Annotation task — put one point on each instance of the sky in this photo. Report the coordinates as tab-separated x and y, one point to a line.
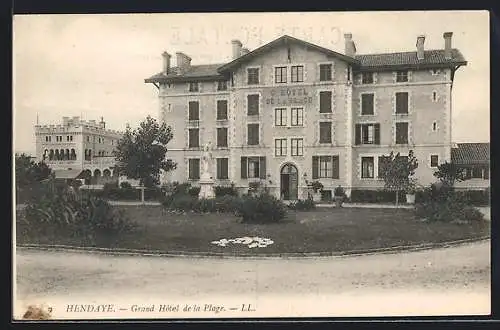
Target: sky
95	65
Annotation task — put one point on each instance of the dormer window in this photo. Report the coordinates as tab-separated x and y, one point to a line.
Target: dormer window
194	87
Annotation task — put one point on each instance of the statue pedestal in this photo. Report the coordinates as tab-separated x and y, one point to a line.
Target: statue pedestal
206	186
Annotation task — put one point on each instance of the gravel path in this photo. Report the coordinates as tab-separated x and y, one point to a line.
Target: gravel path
450	281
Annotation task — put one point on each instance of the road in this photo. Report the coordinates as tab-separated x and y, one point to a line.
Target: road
450	281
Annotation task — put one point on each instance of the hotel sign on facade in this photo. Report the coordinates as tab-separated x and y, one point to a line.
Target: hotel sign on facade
288	96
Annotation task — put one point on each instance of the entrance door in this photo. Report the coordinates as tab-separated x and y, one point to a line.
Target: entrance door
289	182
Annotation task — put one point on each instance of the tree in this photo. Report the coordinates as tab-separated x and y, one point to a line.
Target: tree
449	173
398	170
140	153
28	172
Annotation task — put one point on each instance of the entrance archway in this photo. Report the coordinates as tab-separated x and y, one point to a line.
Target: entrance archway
289	182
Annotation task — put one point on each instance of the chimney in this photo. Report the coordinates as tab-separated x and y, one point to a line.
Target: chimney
420	47
183	61
447	45
236	48
66	121
166	62
102	124
244	51
350	47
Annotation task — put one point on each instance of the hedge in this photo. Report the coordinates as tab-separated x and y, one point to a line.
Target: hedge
376	196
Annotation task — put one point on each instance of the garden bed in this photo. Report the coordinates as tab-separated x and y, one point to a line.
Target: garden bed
321	230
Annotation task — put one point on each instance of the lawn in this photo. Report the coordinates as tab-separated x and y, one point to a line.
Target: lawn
321	230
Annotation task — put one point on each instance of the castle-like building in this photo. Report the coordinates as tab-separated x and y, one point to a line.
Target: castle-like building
291	112
78	149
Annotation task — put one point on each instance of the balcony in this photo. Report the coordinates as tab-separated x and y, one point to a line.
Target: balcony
100	161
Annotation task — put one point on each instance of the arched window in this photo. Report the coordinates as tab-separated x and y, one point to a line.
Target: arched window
61	154
57	154
87	175
97	173
45	154
73	154
51	154
106	173
66	155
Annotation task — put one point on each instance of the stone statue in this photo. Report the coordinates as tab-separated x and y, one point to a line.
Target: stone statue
207	156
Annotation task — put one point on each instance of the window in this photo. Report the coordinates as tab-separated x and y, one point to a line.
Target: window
297	147
253	104
194	138
325	132
48	138
401	76
280	147
58	138
325	102
367	167
367	134
222	168
280	74
253	76
297	73
297	116
367	78
222	85
434	126
194	169
325	167
401	133
280	117
253	167
325	72
367	104
88	138
221	109
253	134
435	72
402	102
434	160
222	137
194	110
194	87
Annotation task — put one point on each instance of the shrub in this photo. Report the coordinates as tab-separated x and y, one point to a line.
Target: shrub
263	208
339	192
204	205
181	202
302	205
225	191
446	205
194	191
125	185
87	217
227	204
375	196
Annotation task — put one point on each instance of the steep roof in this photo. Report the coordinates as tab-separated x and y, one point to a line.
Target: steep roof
471	154
432	59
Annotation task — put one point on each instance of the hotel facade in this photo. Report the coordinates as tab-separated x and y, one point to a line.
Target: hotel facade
291	112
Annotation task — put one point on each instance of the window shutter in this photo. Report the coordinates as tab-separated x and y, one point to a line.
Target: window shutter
244	168
377	133
197	168
315	167
335	167
262	167
219	168
357	138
